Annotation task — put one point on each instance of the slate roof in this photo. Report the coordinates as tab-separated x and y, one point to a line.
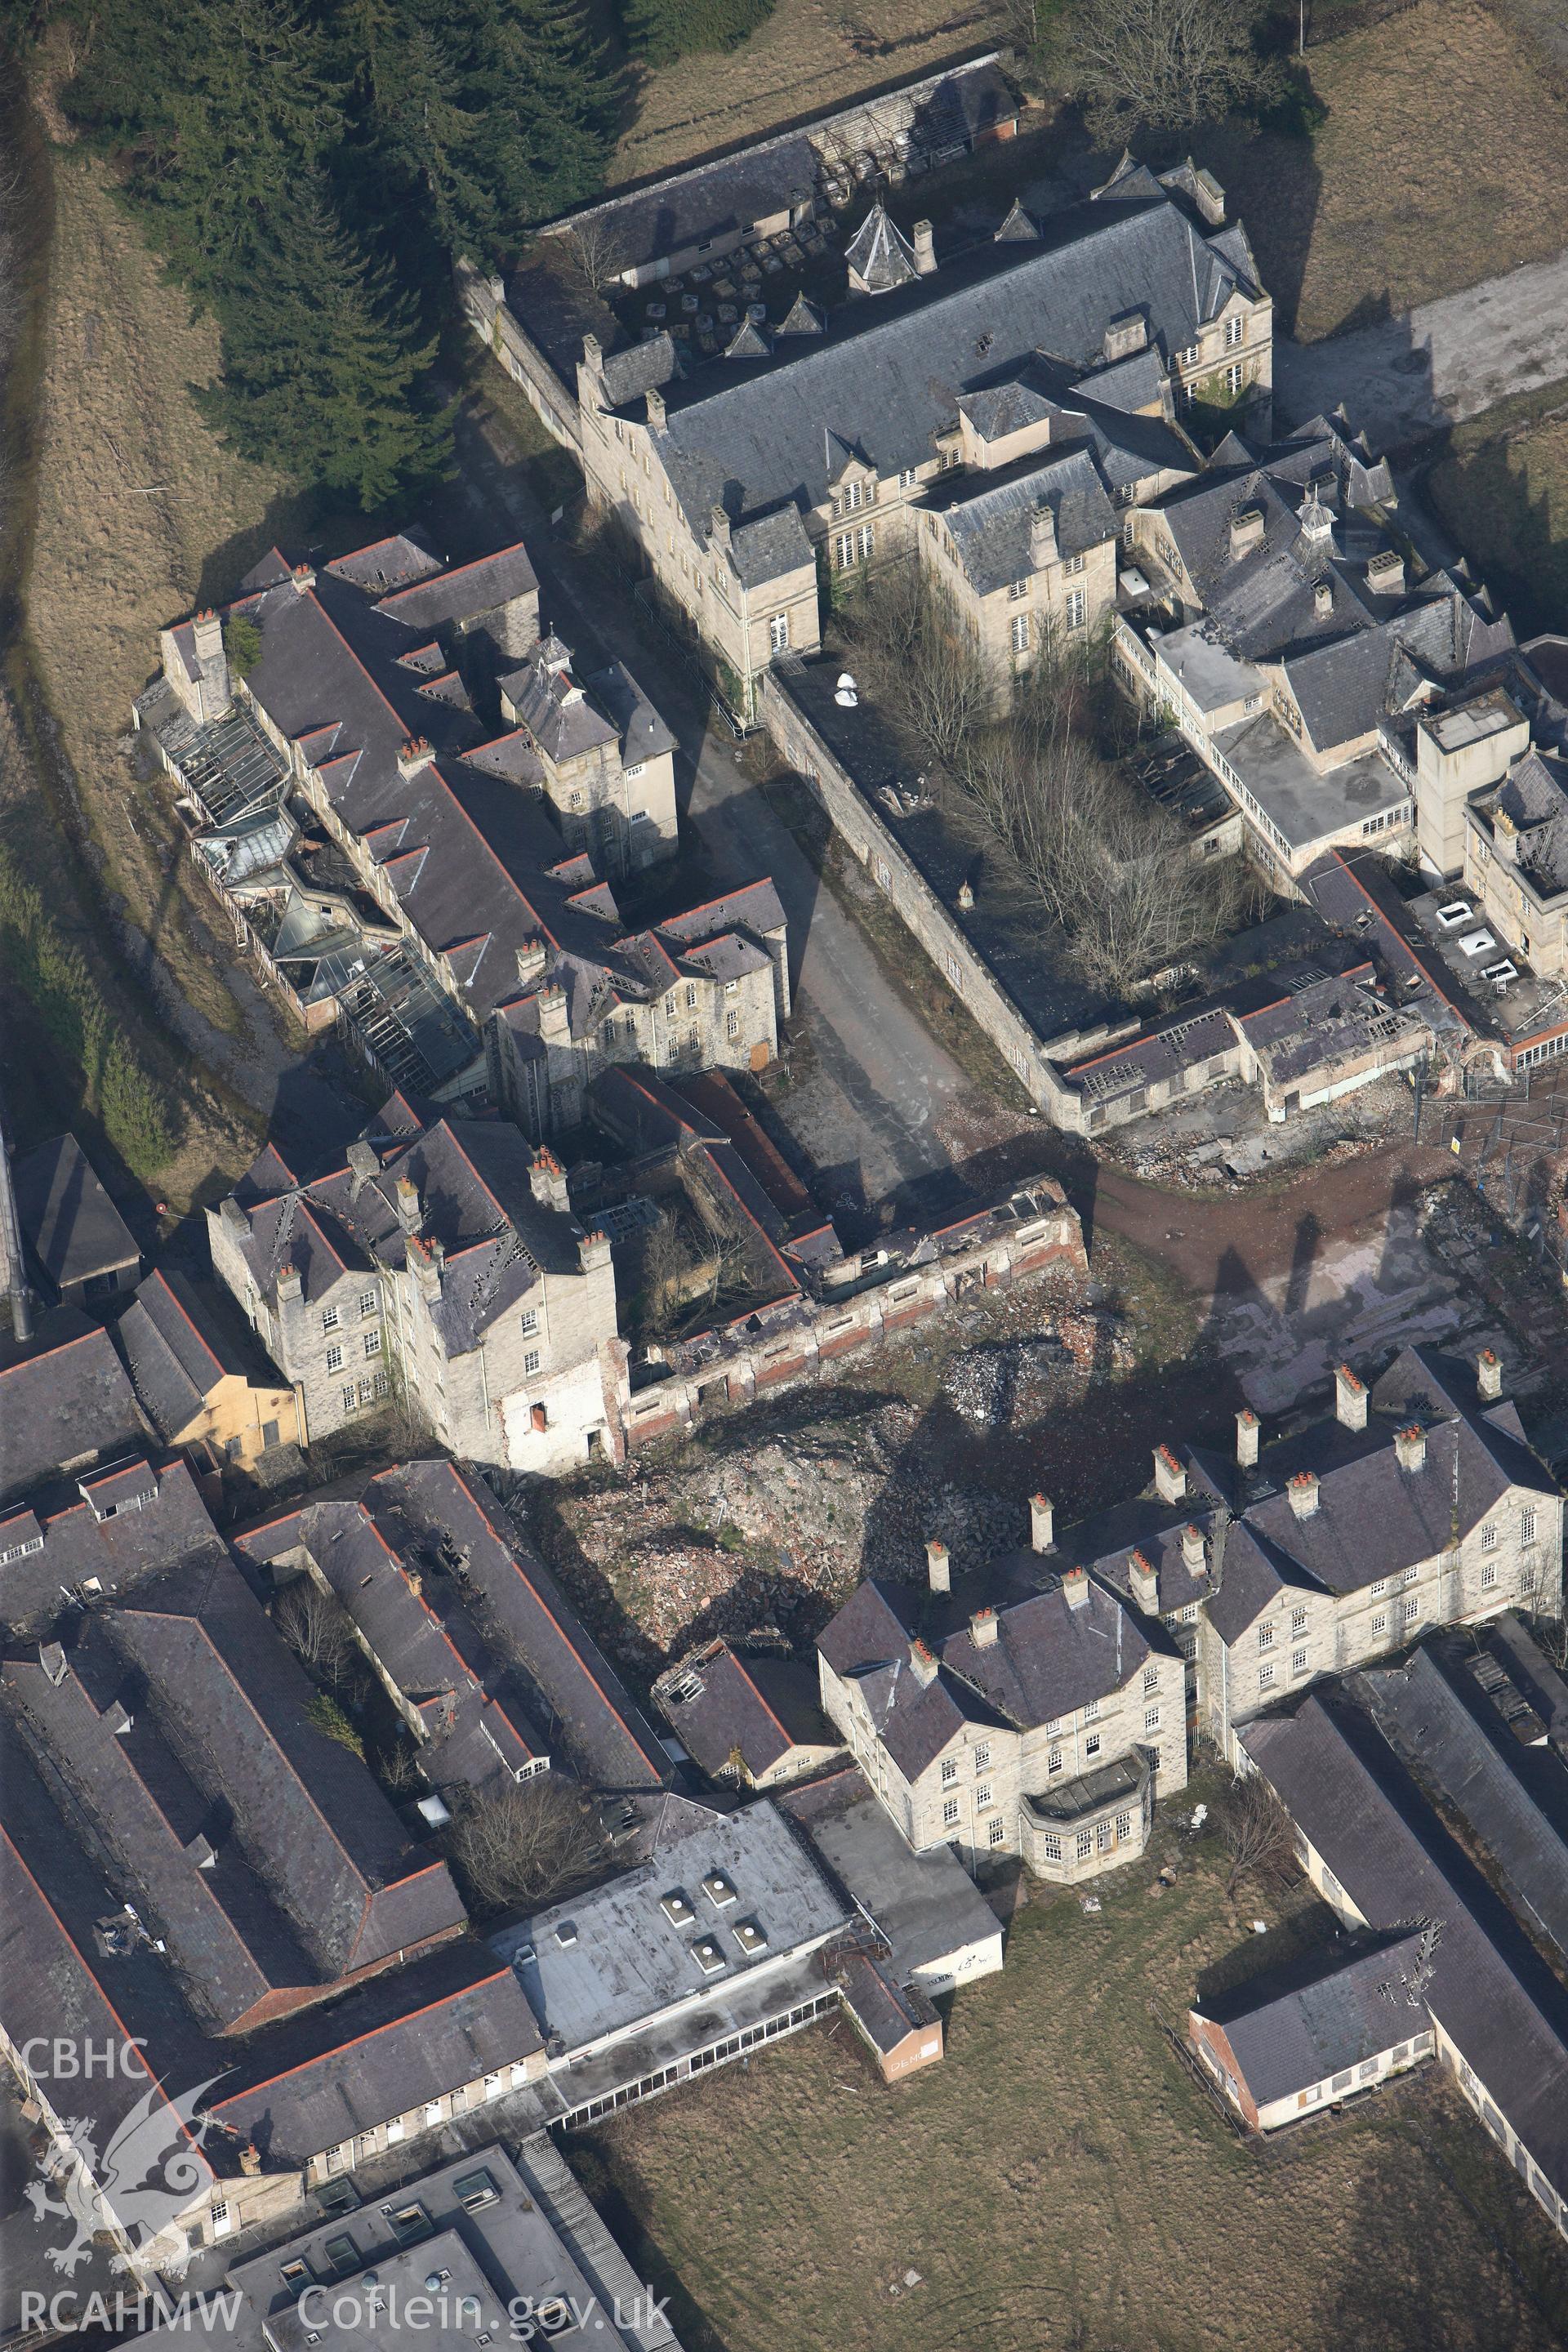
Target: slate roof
763	431
177	1349
1505	2014
63	1396
232	1704
1372	1519
990	520
1438	1719
729	195
52	1989
770	546
477	867
230	1942
755	1705
466	591
1306	1032
75	1230
1535	796
474	1182
448	2018
490	1622
1326	2011
1049	1657
885	2013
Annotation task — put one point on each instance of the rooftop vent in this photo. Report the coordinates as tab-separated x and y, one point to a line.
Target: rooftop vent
566	1934
678	1907
1458	910
718	1889
751	1935
708	1955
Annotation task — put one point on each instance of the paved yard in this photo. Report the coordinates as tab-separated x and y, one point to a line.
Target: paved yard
1420	369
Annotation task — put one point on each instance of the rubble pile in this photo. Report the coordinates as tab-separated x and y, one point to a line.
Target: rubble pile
1011	1384
765	1523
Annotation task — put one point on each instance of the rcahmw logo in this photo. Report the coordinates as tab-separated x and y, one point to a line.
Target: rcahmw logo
144	2179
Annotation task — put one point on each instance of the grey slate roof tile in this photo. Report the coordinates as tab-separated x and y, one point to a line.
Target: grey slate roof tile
1304	2023
1494	1998
74	1228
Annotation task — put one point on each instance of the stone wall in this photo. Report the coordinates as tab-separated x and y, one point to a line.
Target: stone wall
927	921
555	403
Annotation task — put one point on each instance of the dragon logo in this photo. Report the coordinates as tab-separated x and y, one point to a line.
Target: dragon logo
146	2177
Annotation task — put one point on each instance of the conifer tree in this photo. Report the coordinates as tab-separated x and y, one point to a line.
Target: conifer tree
321	365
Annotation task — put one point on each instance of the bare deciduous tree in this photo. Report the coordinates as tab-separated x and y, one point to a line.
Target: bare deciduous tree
1112	867
532	1844
1257	1833
316	1628
1162	65
594	252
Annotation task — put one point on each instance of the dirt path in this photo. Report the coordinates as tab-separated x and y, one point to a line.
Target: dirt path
1232	1244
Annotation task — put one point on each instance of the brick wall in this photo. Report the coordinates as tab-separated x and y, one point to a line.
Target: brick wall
800	1339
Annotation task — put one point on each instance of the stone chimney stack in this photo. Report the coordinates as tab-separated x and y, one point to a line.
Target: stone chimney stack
983	1629
925	240
1042	1523
1489	1375
1075	1587
532	957
654	399
1247	1435
922	1663
547	1180
1170	1478
1350	1399
1505	836
1195	1550
1042	538
1410	1448
207	634
938	1568
1246	529
718	527
1144	1584
1303	1494
289	1284
250	2159
555	1017
413	755
406	1202
594	1252
426	1260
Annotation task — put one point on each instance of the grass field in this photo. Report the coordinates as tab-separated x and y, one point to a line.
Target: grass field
1501	488
135	499
1438	164
1060	2181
